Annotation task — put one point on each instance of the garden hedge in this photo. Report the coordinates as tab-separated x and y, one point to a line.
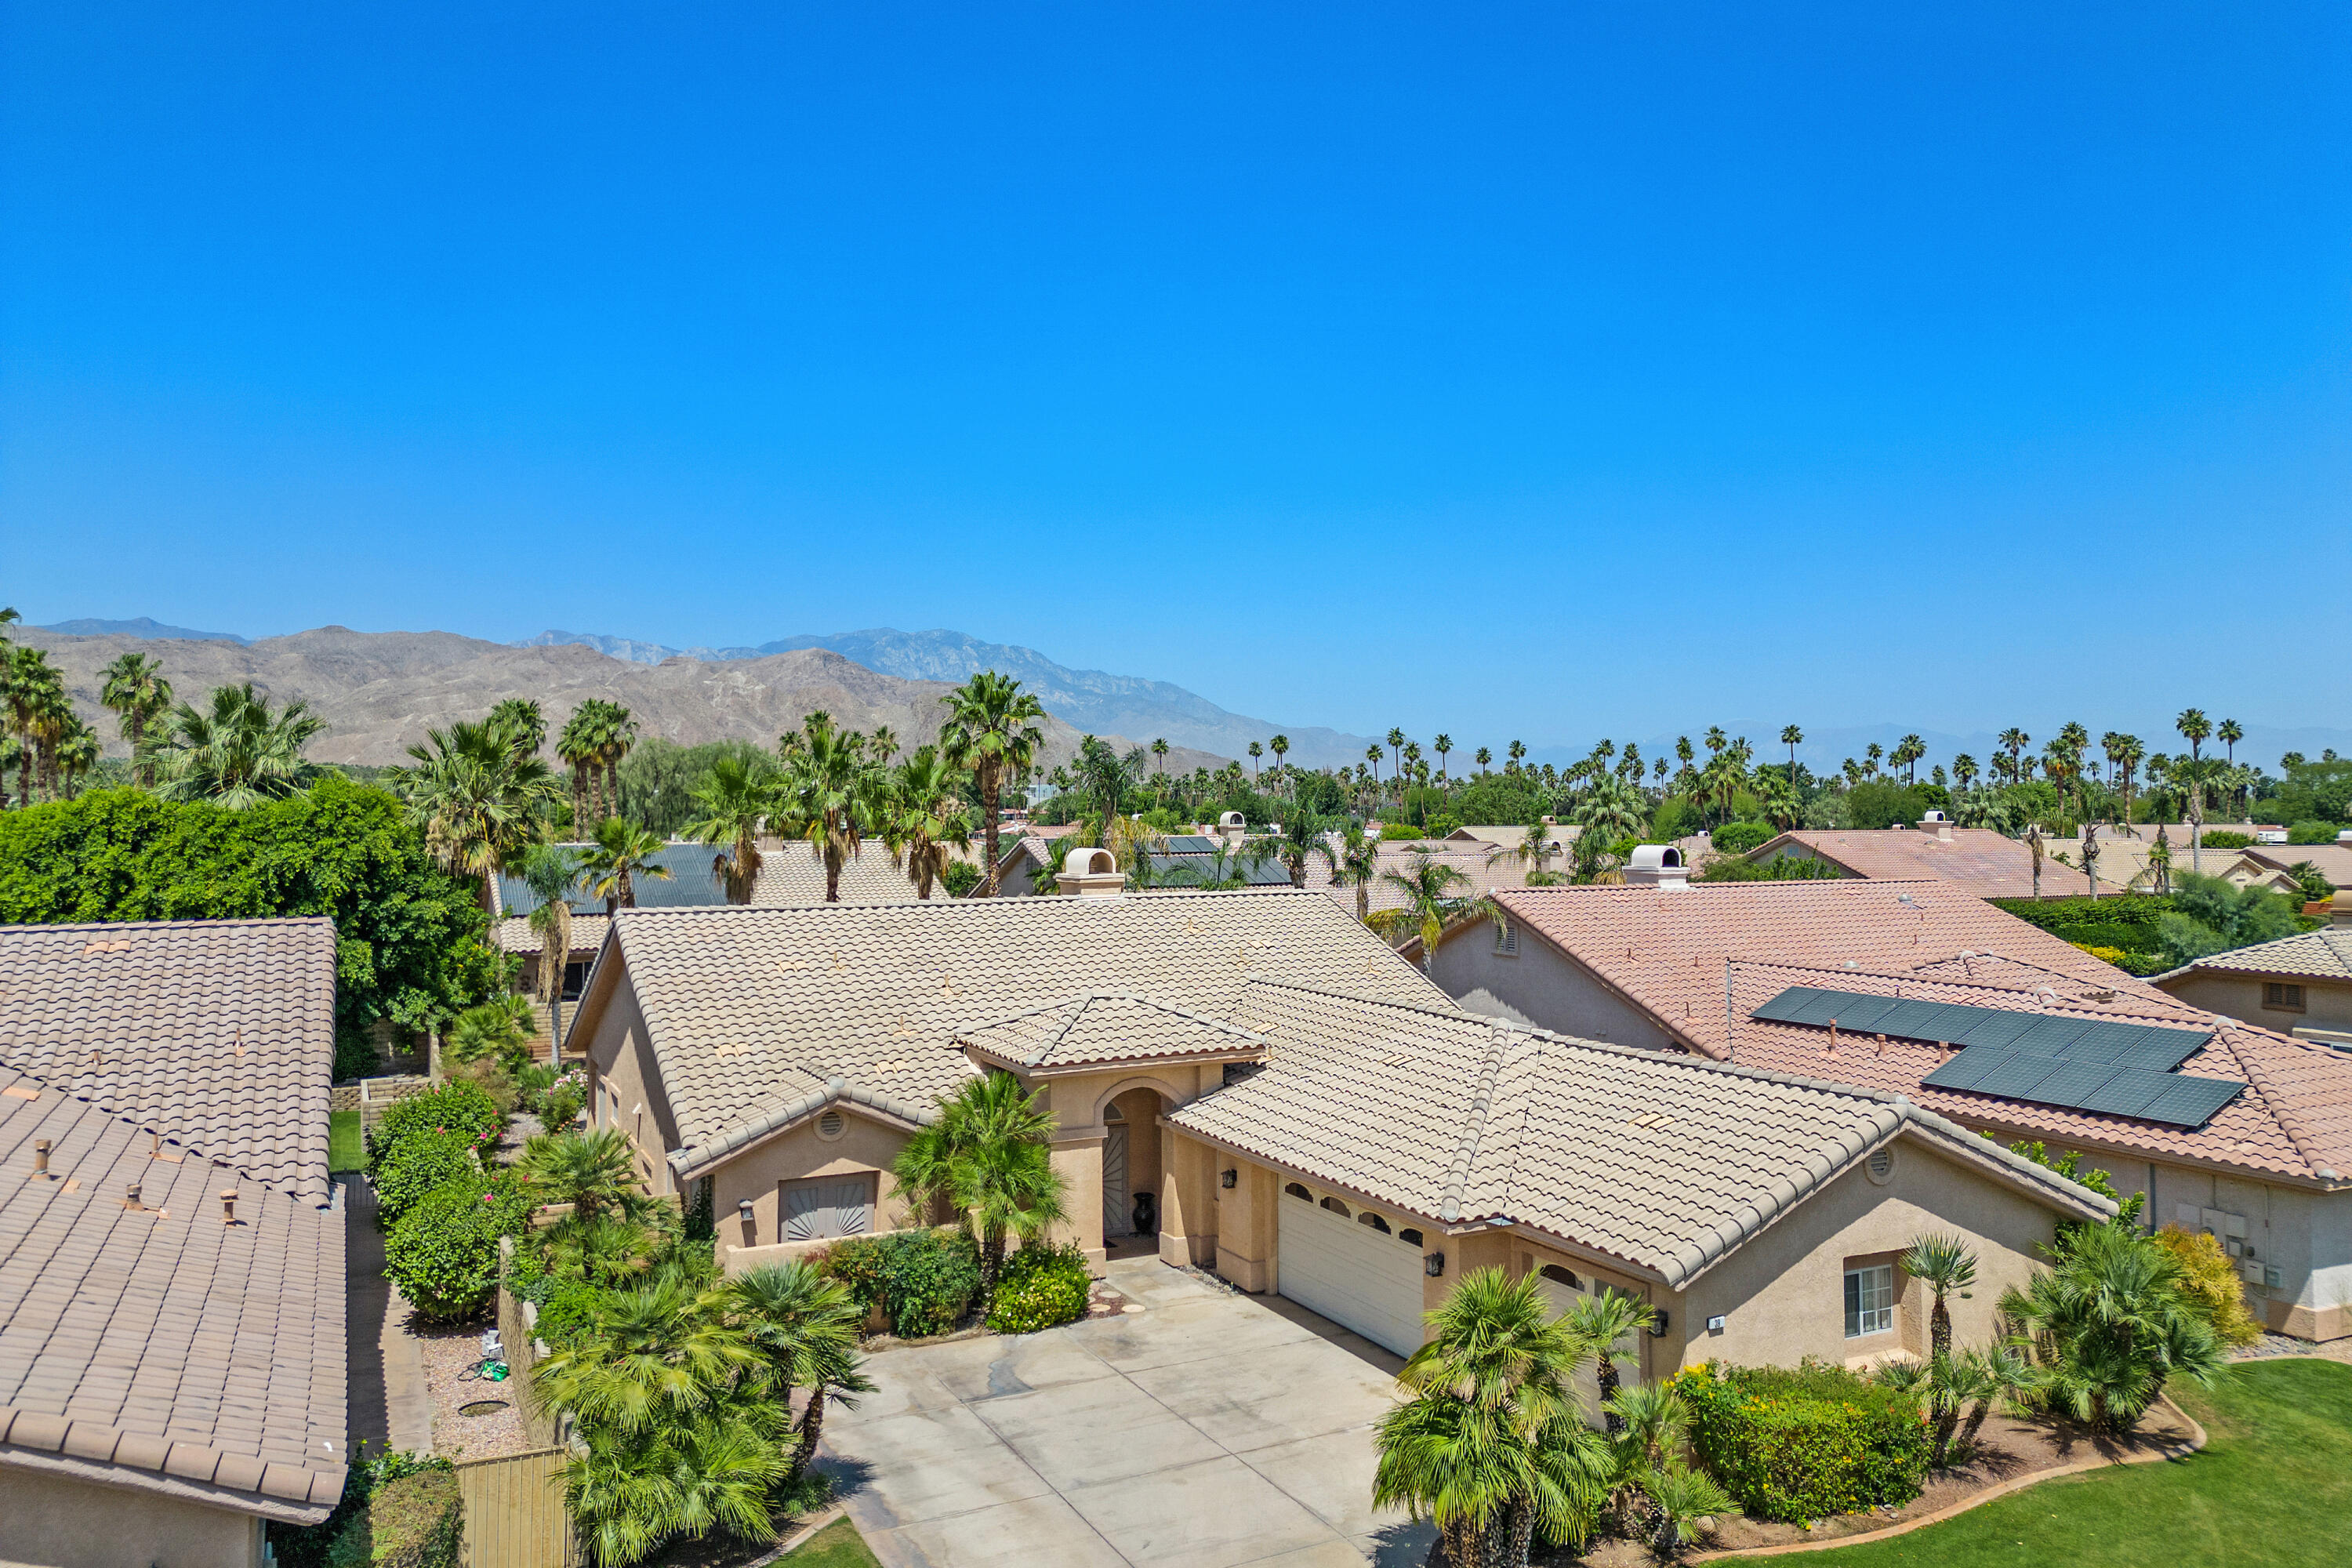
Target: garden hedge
1808	1444
455	1107
922	1280
418	1164
1041	1285
443	1253
416	1522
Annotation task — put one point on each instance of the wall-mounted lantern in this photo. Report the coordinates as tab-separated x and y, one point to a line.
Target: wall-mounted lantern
1715	1324
1658	1325
1433	1265
1228	1179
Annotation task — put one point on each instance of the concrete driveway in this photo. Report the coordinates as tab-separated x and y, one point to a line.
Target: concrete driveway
1209	1430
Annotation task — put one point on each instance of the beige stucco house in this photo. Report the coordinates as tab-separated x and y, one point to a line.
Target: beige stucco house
1685	967
2299	985
172	1337
1307	1113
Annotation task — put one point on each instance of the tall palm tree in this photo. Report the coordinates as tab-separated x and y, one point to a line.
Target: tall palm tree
1396	749
833	795
926	823
551	872
1304	836
75	757
619	854
234	750
1945	1264
1355	859
1443	746
524	724
2229	731
1517	751
1792	737
1602	1321
579	745
989	1154
1436	895
1257	750
1482	758
1160	756
990	727
1280	747
617	734
2015	740
136	692
480	801
729	807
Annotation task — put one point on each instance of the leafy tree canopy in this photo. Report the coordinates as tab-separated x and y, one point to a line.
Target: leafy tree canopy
2315	791
409	943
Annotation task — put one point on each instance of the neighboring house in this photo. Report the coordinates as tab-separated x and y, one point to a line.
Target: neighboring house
1685	968
1484	867
1987	864
171	1336
2299	985
1303	1111
1502	835
2124	866
2333	861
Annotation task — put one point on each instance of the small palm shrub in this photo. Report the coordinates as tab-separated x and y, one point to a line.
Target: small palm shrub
461	1108
2113	1319
417	1165
1042	1285
1806	1444
443	1253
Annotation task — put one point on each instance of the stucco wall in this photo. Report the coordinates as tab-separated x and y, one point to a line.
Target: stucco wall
867	1144
58	1521
2326	1005
1078	1101
629	1089
1538	986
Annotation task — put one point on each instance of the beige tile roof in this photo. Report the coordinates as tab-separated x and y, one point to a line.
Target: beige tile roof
1988	864
1098	1026
514	934
791	873
2322	955
751	1011
2294	1121
1666	951
220	1034
1486	871
2124	865
161	1348
1666	1162
2334	861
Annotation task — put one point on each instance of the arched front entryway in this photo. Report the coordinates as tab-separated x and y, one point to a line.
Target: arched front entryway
1131	1167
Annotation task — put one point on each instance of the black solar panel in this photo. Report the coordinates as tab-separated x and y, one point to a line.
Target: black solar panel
1188	844
2161	1050
2190	1101
1858	1014
1795	1005
2073	1080
1919	1021
1990	1026
1965	1070
2015	1075
2123	1094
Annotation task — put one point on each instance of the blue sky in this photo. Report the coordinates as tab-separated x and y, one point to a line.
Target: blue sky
1552	371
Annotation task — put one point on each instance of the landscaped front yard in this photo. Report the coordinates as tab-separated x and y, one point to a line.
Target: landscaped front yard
2271	1489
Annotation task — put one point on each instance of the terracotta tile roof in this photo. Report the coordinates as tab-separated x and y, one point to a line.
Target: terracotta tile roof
1096	1026
1666	951
2322	955
751	1010
1988	864
160	1348
2294	1121
220	1034
1666	1162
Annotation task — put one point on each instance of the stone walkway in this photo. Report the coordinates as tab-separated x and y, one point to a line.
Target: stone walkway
1209	1431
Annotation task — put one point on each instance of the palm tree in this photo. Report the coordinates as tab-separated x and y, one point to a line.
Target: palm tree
1517	751
1256	751
1280	747
1443	746
2229	731
32	690
524	724
619	854
988	1154
2005	1377
480	801
883	744
1613	810
1533	851
806	1326
1373	755
738	796
1355	860
1396	749
926	822
2111	1326
234	751
990	727
594	1172
833	795
552	874
2015	740
1792	737
1602	1321
579	744
75	757
1160	756
1483	757
1108	776
1303	837
136	692
1436	894
617	733
1945	1265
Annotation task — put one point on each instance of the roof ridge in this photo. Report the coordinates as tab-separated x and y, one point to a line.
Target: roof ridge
222	1159
1482	1103
167	925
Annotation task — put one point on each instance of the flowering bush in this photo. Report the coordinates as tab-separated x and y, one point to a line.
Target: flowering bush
458	1106
443	1253
1041	1285
923	1279
1804	1444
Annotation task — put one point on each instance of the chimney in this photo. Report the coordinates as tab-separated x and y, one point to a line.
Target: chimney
1936	823
2339	909
1658	865
1231	828
1092	874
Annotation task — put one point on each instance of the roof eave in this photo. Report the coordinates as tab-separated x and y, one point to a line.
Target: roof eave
698	1159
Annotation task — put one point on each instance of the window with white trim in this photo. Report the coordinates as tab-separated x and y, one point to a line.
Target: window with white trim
1869	1300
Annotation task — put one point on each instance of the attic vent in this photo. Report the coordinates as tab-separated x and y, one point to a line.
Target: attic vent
1882	1164
1507	939
1397	1060
829	1125
1653	1121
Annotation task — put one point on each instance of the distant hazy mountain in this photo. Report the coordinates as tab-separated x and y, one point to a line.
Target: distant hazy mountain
144	626
1101	703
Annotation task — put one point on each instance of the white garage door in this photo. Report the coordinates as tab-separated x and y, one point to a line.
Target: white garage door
1362	1274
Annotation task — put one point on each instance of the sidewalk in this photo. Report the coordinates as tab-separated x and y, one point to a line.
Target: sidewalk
388	1404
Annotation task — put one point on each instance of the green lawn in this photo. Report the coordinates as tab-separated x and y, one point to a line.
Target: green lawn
2273	1489
837	1545
344	1152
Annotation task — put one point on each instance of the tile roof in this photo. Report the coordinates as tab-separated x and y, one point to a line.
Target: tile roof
1988	864
2322	955
750	1010
1666	951
1096	1026
220	1034
1666	1162
514	934
2333	861
160	1348
1487	869
2124	866
2294	1121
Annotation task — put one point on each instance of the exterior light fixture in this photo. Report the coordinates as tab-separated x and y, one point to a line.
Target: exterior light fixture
744	1210
1715	1324
1658	1328
1228	1179
1433	1265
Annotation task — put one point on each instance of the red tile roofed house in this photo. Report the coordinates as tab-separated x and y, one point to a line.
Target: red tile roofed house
1664	968
1988	864
171	1363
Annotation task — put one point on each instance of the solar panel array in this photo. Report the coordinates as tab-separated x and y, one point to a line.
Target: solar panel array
2104	1065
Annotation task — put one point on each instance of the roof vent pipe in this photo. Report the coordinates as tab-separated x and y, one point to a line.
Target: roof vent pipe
131	1197
229	1205
41	1156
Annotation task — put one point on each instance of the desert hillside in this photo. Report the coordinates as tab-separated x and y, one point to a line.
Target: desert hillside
379	692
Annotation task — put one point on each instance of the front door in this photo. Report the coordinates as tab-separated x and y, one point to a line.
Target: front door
1118	1219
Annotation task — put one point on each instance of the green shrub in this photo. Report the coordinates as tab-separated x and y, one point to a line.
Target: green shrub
355	1055
1806	1444
416	1522
1394	830
1042	1285
443	1253
453	1108
922	1280
417	1165
1443	824
570	1307
341	1539
2304	833
959	879
2222	838
1739	838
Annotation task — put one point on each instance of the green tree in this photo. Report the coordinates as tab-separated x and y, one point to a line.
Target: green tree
613	860
991	728
834	794
594	1172
480	798
1602	1321
234	750
988	1154
137	694
926	823
1436	895
2111	1326
731	807
806	1326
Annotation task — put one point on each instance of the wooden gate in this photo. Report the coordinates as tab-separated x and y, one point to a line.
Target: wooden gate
514	1511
